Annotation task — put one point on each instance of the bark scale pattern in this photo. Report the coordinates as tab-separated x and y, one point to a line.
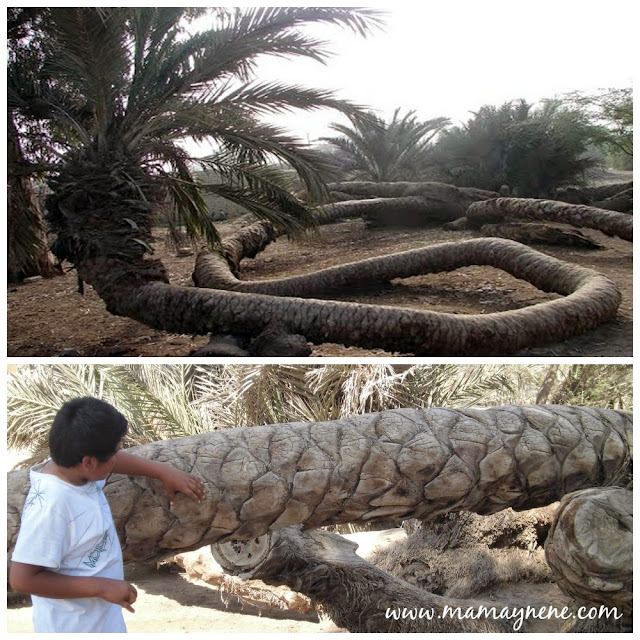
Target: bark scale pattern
609	222
405	204
590	300
396	464
590	547
437	191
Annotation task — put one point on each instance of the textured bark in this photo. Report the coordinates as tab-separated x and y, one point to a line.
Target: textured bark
591	299
604	197
409	204
590	547
354	593
609	222
535	233
398	464
247	243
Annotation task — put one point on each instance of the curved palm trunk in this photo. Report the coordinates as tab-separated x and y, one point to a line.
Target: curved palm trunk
102	217
590	547
591	300
355	594
396	464
543	271
610	223
406	204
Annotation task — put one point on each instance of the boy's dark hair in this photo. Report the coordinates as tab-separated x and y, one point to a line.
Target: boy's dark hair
85	427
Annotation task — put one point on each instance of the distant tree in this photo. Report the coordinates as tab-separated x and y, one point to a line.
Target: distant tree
474	154
381	151
532	150
612	109
549	149
27	250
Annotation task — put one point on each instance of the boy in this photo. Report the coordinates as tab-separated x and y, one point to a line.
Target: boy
67	554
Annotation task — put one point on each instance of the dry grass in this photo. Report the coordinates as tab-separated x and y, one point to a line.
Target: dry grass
461	555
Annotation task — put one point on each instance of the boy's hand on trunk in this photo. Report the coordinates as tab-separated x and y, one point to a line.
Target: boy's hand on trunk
176	481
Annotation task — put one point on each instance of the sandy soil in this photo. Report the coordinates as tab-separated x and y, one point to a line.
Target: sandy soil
49	317
170	601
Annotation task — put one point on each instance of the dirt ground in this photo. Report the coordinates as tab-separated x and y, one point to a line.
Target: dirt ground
170	601
50	318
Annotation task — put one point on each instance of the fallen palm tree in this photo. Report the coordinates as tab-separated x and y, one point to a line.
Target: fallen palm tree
395	464
360	597
405	204
495	210
616	197
590	547
405	463
355	594
537	233
590	299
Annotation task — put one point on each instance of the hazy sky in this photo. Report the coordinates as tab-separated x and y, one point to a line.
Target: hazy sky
447	58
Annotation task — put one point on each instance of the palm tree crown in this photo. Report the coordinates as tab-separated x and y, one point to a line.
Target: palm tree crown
127	87
382	151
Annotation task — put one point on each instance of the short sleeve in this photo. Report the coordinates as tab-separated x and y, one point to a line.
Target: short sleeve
43	538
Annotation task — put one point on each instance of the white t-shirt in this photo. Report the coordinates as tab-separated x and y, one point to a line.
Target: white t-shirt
69	530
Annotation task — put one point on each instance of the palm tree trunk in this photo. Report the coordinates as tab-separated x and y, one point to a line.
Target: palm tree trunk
405	211
355	594
590	548
324	567
406	204
27	249
609	222
538	233
591	299
100	210
439	191
396	464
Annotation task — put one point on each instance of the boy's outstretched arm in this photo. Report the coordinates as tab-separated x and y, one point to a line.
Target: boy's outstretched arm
173	479
39	581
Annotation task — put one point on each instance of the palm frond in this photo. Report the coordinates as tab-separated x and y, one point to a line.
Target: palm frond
380	151
93	56
230	49
267	393
265	191
139	81
34	397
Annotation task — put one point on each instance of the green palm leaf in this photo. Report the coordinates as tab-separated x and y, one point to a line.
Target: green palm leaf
127	86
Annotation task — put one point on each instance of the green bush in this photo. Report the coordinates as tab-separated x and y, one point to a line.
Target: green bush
533	151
